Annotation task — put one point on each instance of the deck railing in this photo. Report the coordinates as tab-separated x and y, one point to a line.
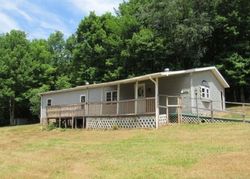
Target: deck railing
122	107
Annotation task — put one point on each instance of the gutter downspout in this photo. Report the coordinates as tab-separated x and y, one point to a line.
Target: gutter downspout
156	82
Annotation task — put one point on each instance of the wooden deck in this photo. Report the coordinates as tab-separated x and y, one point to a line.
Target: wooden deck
122	107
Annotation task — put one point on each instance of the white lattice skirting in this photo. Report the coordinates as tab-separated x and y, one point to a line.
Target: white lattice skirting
162	119
120	122
202	119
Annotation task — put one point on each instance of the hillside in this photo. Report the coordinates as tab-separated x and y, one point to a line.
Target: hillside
207	150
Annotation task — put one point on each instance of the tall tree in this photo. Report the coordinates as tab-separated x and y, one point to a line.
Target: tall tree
14	71
237	70
96	56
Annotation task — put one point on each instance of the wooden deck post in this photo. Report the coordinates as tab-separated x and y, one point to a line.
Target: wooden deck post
179	109
66	123
156	83
243	112
157	103
101	107
87	104
60	122
197	107
136	97
212	112
118	99
83	122
167	115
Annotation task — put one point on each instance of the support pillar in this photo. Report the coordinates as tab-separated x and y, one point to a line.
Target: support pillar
157	103
118	100
66	125
86	112
60	122
167	113
156	82
136	97
83	122
101	108
76	123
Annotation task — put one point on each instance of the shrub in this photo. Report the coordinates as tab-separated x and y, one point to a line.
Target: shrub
115	127
51	126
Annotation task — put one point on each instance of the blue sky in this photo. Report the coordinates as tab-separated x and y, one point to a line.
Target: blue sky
39	18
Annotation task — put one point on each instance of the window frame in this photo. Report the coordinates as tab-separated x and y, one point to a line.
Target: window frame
144	89
206	94
111	95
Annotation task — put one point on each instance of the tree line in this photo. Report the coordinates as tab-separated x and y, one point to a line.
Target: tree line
143	36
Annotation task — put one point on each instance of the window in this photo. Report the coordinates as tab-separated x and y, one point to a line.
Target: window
108	96
111	96
205	92
141	91
82	99
49	102
114	96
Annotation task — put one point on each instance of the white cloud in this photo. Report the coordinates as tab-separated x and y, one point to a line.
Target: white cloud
13	6
38	21
35	20
7	23
45	19
99	6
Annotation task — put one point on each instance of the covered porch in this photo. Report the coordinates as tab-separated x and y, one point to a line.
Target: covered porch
139	98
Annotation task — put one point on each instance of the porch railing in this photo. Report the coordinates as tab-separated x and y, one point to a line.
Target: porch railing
122	107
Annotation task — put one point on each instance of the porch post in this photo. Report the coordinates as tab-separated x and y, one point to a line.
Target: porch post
136	96
118	99
157	103
60	122
101	111
86	112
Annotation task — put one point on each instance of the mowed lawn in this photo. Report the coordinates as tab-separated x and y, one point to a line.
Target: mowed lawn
177	151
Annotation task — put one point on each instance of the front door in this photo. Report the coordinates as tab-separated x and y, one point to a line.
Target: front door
141	98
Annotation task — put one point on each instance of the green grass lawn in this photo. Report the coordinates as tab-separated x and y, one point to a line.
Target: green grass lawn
177	151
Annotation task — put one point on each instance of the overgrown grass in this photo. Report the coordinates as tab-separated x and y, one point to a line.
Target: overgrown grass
190	151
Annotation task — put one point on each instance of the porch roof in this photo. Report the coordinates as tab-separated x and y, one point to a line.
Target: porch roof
213	69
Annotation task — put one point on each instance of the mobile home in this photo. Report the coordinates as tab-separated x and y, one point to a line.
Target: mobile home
146	101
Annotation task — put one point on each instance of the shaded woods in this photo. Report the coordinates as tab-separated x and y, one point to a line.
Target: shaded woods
143	36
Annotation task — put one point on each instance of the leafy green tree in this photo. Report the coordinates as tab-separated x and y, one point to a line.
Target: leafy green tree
96	56
14	73
63	82
33	95
237	69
